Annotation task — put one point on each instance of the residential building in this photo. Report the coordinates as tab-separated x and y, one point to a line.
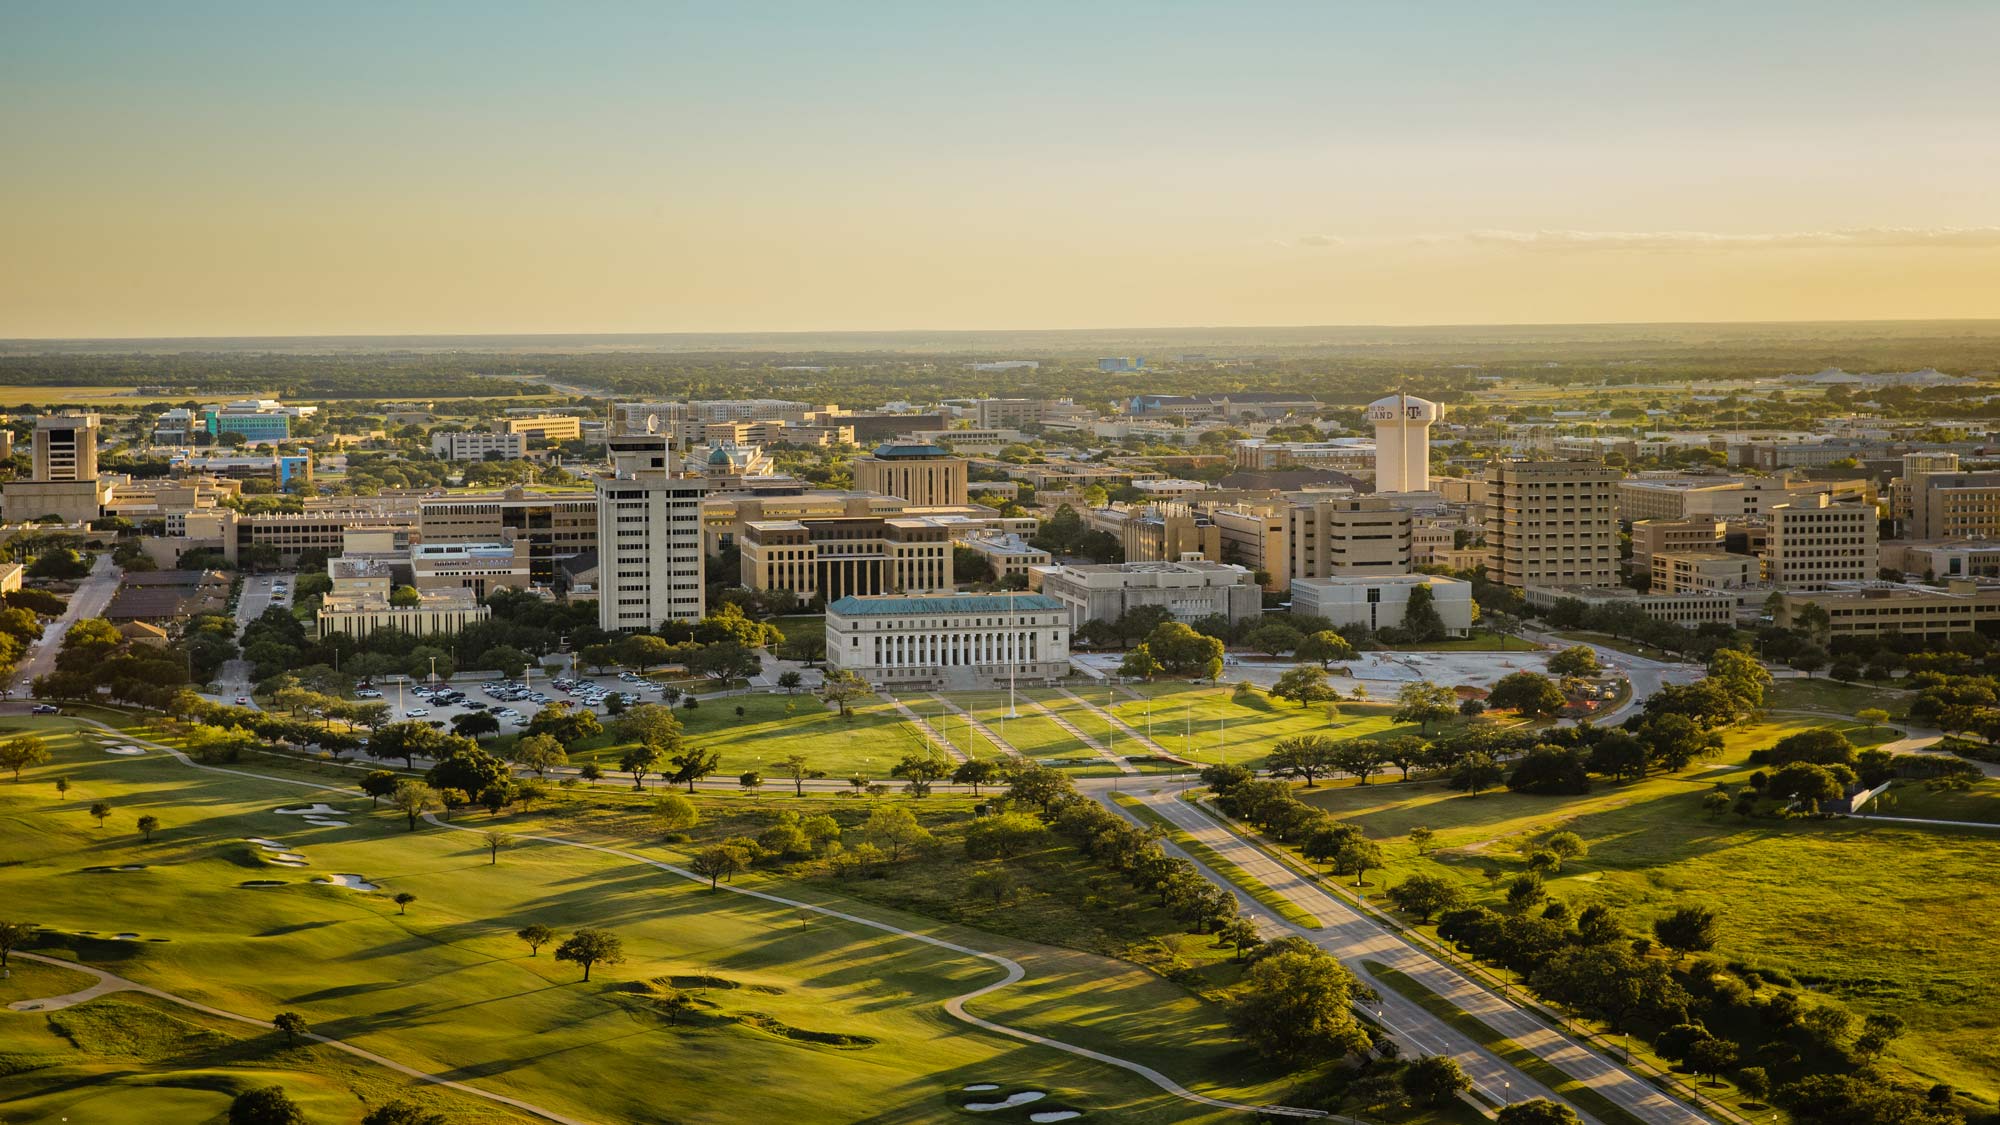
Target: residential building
1010	555
1820	542
1345	536
1908	609
920	474
1190	590
1381	601
959	641
555	524
1676	572
542	427
361	603
1551	523
649	539
478	445
833	558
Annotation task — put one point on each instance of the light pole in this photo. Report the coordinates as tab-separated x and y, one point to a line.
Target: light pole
1013	642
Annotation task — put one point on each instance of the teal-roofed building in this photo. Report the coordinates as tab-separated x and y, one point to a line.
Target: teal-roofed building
957	641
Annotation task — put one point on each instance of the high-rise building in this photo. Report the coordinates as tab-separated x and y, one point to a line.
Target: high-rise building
1347	536
1817	542
1902	490
1403	442
65	447
832	558
1551	523
649	538
1953	505
925	475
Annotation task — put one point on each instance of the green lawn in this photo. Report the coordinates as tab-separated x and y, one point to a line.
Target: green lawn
1480	641
1980	804
1832	697
447	988
1216	723
1882	917
1619	644
771	727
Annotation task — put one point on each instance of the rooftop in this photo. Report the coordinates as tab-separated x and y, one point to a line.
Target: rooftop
894	604
894	451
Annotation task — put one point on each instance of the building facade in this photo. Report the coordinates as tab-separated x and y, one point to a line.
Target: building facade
962	641
1814	544
834	558
920	474
1346	537
555	524
477	444
1552	523
1382	601
1188	590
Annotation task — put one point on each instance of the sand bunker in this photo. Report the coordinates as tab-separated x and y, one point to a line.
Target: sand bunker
124	937
288	860
350	881
980	1087
262	883
318	823
1055	1115
316	810
267	845
1022	1098
123	750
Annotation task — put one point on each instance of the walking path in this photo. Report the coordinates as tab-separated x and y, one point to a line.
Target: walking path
1076	732
930	733
1014	972
1355	938
1151	746
985	731
1923	820
110	982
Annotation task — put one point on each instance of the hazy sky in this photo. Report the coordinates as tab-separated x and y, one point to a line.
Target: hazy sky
192	168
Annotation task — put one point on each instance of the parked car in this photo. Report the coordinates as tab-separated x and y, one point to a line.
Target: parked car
47	709
417	712
243	701
367	693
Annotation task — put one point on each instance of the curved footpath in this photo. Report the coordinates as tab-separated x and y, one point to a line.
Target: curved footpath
1013	971
1355	938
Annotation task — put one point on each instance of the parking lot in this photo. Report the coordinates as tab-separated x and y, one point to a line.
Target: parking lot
512	702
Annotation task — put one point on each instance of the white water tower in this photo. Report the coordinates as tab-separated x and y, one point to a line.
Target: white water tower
1403	442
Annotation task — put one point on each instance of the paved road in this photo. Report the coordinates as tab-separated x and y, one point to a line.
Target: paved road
1355	938
110	982
258	594
1013	971
91	598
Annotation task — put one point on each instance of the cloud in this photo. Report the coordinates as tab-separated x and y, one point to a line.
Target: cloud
1865	238
1319	240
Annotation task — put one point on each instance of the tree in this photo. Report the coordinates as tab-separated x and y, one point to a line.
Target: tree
588	947
691	765
1808	659
750	781
1424	703
976	772
400	1112
1240	933
842	687
1877	1032
474	724
1358	758
1421	839
101	811
1273	638
1325	647
1540	1111
1434	1081
724	661
796	767
1806	783
413	799
537	936
1673	741
266	1105
149	824
1577	660
1309	756
1139	664
1404	752
379	784
495	840
541	753
1425	895
1475	773
675	812
17	754
651	724
1183	652
1004	836
293	1025
719	862
403	900
921	769
467	768
13	935
639	760
1690	929
1296	1007
565	724
1527	694
1304	685
1711	1057
895	830
1357	857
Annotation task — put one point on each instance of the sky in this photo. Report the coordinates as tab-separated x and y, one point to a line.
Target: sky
199	168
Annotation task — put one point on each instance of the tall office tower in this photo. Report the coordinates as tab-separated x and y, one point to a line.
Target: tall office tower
1403	442
1550	523
1815	542
925	475
649	551
65	447
1347	536
1903	490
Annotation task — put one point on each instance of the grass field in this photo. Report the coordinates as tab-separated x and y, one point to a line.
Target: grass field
1835	698
11	395
446	988
1979	804
1216	724
771	727
1882	917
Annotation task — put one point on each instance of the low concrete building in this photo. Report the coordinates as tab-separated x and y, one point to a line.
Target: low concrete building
1682	572
961	641
361	602
1910	609
1689	609
10	577
1380	601
1009	555
1937	561
482	568
1190	590
476	445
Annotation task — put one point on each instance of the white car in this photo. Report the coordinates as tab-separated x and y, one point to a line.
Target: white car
508	713
417	712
